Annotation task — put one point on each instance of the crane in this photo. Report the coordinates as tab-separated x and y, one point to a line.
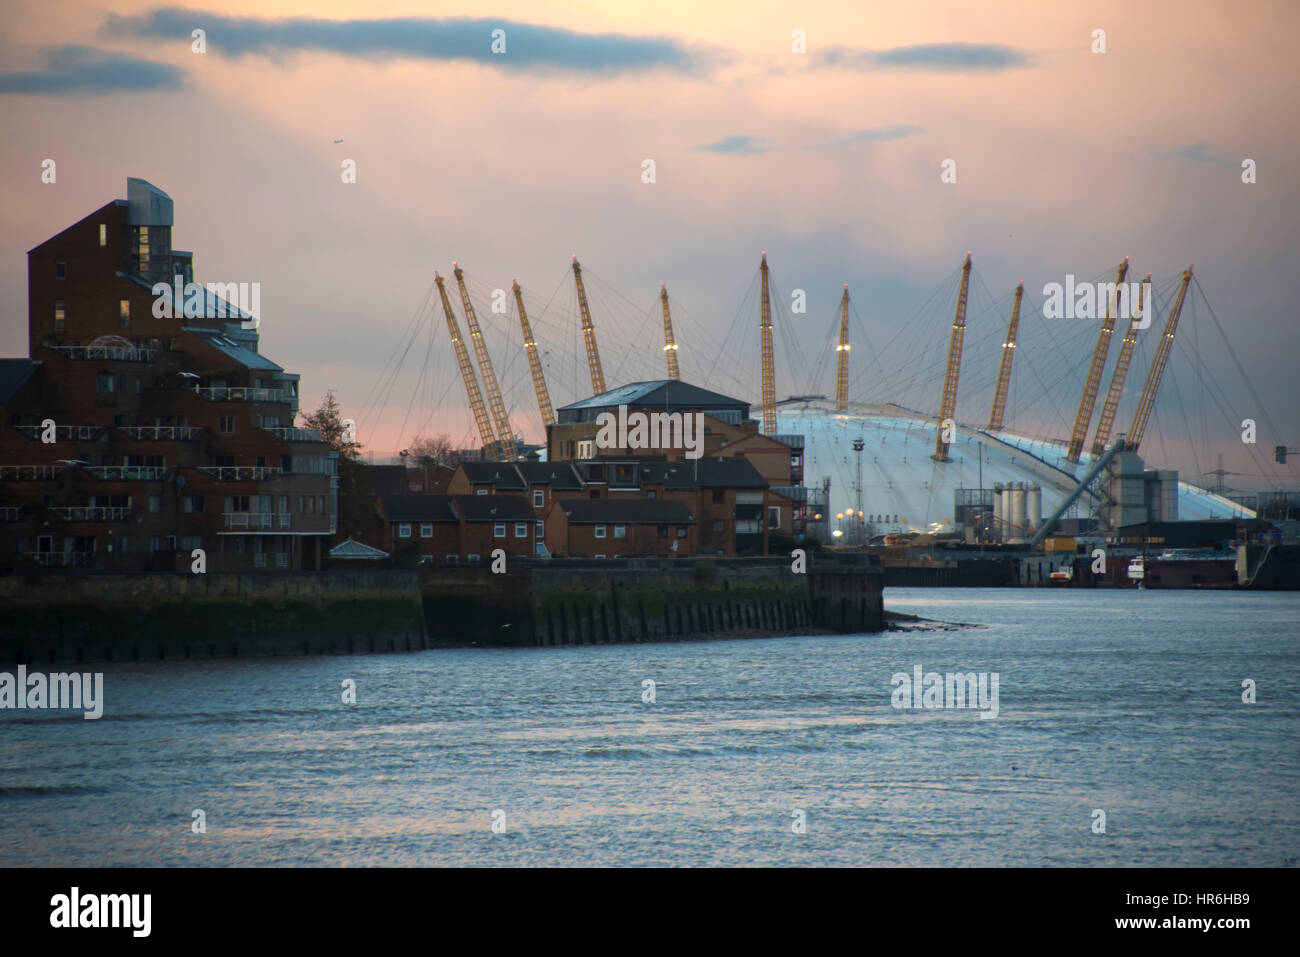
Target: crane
1004	371
842	363
670	345
1148	400
589	334
948	408
500	421
1083	418
534	361
765	337
1111	405
486	435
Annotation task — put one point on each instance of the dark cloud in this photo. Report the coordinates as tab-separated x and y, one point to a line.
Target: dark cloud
527	46
932	57
85	70
742	144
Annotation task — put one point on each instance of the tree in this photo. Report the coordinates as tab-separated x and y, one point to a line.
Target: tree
356	504
433	450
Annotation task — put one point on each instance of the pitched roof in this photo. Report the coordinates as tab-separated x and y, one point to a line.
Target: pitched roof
721	473
663	394
354	549
14	373
419	508
555	474
494	508
627	511
500	474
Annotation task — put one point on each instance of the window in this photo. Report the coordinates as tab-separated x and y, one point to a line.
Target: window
663	531
193	503
139	384
302	504
471	558
650	494
322	504
155	503
681	531
541	529
226	424
404	530
59	315
600	556
124	312
426	529
191	542
773	516
284	503
600	533
124	544
450	559
171	543
499	530
155	543
103	234
239	544
620	531
311	504
60	270
719	497
539	497
480	491
105	382
521	529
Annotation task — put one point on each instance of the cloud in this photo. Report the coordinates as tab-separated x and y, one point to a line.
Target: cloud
527	46
933	57
742	144
81	70
1197	152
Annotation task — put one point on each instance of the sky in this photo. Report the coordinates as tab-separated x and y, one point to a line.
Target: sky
816	132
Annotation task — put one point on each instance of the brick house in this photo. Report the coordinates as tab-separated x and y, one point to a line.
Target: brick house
614	528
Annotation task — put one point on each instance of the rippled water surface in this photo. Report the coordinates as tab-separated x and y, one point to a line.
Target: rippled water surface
1128	702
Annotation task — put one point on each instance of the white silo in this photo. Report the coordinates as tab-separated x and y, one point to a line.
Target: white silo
1035	506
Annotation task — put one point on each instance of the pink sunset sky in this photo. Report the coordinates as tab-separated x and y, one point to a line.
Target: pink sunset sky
1067	160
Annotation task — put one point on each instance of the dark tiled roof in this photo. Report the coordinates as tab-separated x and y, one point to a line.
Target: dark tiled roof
418	508
726	473
554	474
494	508
500	474
13	374
627	511
661	394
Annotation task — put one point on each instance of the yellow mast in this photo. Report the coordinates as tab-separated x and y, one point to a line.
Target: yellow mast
500	421
589	335
948	407
1004	371
842	350
1111	405
486	435
534	361
765	336
1148	400
1083	418
670	345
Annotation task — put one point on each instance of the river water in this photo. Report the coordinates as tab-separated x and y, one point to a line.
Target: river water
1125	702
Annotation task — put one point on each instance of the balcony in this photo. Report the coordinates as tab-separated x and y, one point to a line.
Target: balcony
294	435
256	520
11	513
78	513
64	433
119	353
240	473
78	559
128	473
249	520
168	433
29	473
243	394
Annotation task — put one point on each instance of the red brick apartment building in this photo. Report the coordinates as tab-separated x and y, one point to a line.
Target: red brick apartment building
127	440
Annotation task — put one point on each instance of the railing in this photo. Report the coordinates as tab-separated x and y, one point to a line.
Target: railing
29	473
170	432
61	558
284	519
243	394
122	353
248	519
142	473
78	513
294	435
281	559
240	473
63	432
11	513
